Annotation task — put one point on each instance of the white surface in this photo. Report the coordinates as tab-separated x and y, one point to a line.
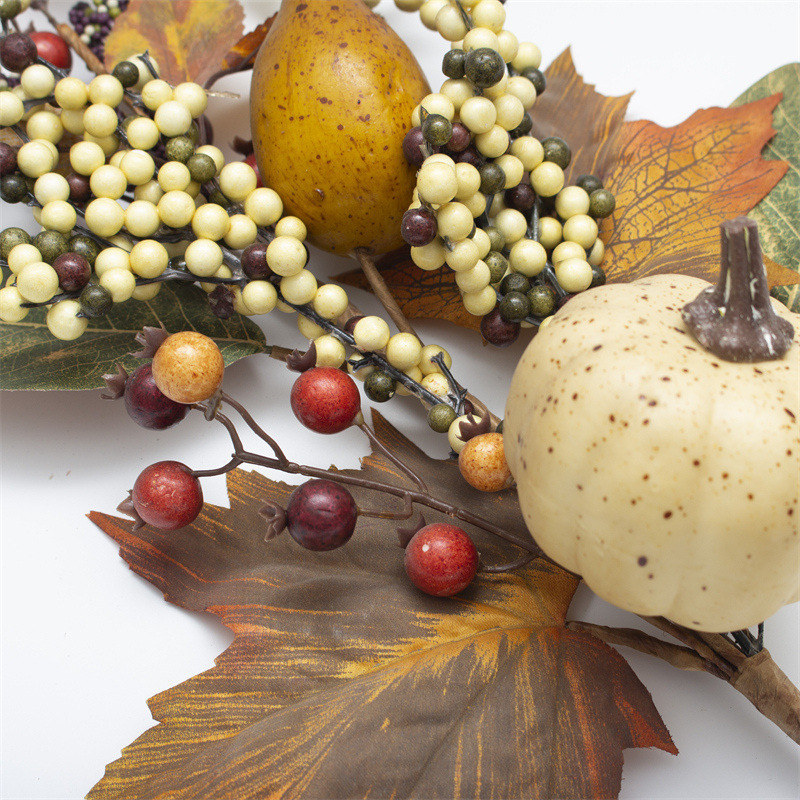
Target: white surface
85	642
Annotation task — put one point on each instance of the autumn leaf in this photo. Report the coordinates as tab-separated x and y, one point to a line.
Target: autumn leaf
188	39
673	187
247	47
343	681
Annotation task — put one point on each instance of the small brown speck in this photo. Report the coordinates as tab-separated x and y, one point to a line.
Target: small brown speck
641	561
667	514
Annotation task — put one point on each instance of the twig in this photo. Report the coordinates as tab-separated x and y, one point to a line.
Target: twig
378	445
382	292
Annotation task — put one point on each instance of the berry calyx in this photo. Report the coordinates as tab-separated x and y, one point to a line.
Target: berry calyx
441	560
167	496
321	515
147	405
325	399
188	367
483	465
53	49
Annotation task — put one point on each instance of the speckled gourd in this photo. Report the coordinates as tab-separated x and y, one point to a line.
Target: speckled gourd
664	475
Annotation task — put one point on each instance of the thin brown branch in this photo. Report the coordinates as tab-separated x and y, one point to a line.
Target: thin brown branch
378	445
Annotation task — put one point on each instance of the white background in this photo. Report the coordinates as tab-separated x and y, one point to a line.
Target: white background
85	642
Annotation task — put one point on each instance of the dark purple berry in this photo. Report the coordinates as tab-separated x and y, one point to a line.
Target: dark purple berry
418	227
17	52
221	302
413	142
497	331
459	139
522	197
321	515
254	262
79	189
73	271
8	159
470	156
147	405
351	324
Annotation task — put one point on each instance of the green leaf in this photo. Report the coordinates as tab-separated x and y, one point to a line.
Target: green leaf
778	214
31	358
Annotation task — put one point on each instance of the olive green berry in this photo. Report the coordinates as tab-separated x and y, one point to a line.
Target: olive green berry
441	417
95	300
10	238
180	148
127	73
543	300
589	183
557	151
437	129
453	63
379	386
51	244
601	203
86	247
515	282
498	265
13	188
514	307
201	168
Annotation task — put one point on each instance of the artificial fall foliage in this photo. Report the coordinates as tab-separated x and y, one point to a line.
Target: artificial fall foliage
344	681
673	188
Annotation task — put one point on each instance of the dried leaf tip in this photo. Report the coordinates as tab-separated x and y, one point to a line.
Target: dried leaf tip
735	320
298	361
115	384
474	426
150	339
275	516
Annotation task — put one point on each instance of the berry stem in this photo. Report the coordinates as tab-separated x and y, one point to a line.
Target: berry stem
377	444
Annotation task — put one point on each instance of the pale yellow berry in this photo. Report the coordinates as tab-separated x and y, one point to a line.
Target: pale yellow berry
71	94
475	279
59	215
73	121
138	167
34	159
429	10
112	258
463	257
237	180
582	230
511	224
570	201
476	204
242	232
529	151
203	258
104	217
263	206
120	283
494	143
209	221
330	301
149	259
108	144
37	81
142	133
177	209
146	292
371	333
437	183
106	89
528	257
430	256
403	351
173	118
450	24
454	221
478	114
415	374
215	153
489	14
37	282
330	351
529	56
108	181
436	103
142	219
545	322
307	327
11	109
260	297
482	241
469	181
566	251
409	5
100	120
155	93
480	303
436	383
440	158
510	111
63	321
574	274
596	253
430	351
149	192
549	232
508	45
454	434
547	179
223	273
286	256
51	186
480	37
523	89
193	96
512	168
21	255
300	288
457	91
45	125
11	309
291	226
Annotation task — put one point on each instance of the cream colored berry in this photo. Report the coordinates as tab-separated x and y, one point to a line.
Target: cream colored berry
291	226
409	5
463	257
529	56
529	151
120	283
570	201
454	434
174	177
260	296
299	288
574	274
494	143
203	258
415	374
481	37
437	183
11	309
223	273
138	167
512	168
436	383
108	181
450	24
507	46
106	89
21	255
596	253
489	14
440	158
146	292
457	91
242	233
454	221
547	179
100	120
37	81
63	321
209	221
478	114
429	10
263	206
104	217
330	301
59	215
403	351
482	242
35	158
476	204
155	93
582	230
142	219
480	303
45	125
468	179
193	96
475	279
430	256
436	103
37	282
51	186
71	94
429	352
566	251
527	257
523	89
498	90
307	327
510	111
330	351
148	259
511	224
371	333
550	232
237	180
286	256
108	144
112	258
12	109
177	209
173	118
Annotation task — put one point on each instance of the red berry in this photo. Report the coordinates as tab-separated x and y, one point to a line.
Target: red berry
73	271
321	515
251	160
325	399
441	559
166	495
51	47
147	405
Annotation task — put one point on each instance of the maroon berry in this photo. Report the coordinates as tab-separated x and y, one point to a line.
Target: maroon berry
254	262
53	49
321	515
413	142
73	271
470	156
351	323
441	560
418	227
17	52
460	139
497	331
325	399
147	405
8	159
79	189
522	197
166	495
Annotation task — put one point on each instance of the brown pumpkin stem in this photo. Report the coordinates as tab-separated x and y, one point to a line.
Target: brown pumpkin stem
735	319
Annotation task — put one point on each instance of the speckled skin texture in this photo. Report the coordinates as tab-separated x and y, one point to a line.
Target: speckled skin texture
331	98
483	463
321	515
441	560
166	495
666	477
147	405
325	399
188	367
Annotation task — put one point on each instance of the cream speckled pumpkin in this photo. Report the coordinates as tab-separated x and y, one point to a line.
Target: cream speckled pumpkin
665	476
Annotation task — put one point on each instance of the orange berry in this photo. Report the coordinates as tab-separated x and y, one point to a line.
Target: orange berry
483	463
188	367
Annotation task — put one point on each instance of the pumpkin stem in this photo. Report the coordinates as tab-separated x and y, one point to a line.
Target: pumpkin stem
735	319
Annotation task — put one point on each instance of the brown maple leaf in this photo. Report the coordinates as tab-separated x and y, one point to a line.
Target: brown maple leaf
188	39
673	188
343	681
